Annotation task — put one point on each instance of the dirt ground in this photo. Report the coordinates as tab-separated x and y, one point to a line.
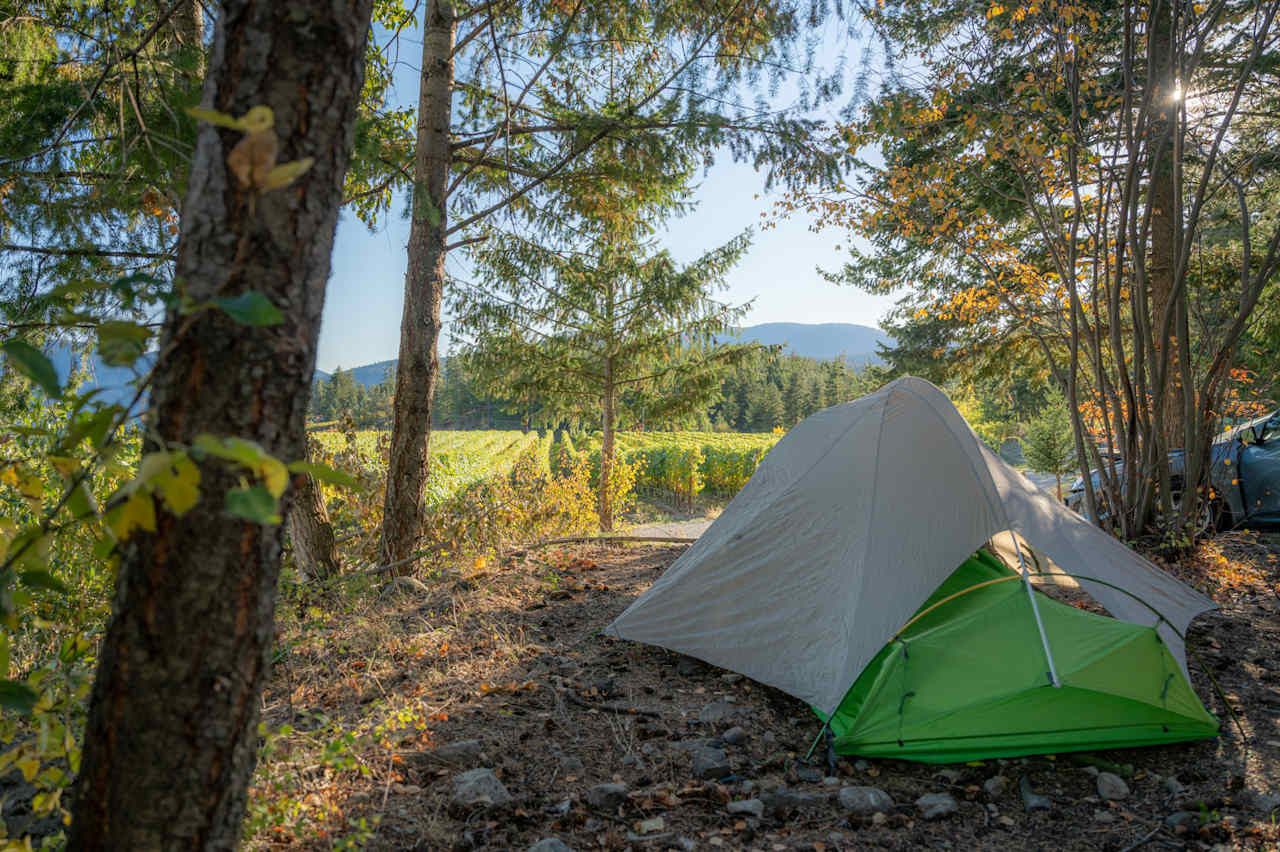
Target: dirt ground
503	670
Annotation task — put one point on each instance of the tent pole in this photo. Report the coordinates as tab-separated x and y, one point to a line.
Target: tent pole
1026	580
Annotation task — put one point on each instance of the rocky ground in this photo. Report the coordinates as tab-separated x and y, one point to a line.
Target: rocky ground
503	721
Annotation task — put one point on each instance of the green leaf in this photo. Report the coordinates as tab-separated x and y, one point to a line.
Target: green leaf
122	343
32	363
324	473
17	697
43	580
252	504
251	308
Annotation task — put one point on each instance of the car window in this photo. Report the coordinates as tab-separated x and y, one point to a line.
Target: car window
1270	431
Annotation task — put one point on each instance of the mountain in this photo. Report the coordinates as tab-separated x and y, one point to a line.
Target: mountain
824	341
368	375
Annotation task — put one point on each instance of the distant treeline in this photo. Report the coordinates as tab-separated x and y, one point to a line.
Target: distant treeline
765	392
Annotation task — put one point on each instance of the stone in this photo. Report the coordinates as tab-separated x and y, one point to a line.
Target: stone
1178	818
632	760
459	754
1104	817
734	736
477	788
651	825
831	781
951	776
718	712
861	765
1173	787
1265	802
936	805
550	844
995	786
711	763
571	765
809	774
687	844
1112	787
754	807
731	677
687	666
879	819
865	800
607	796
782	801
1031	800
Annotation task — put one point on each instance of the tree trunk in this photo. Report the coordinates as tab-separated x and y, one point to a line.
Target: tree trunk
315	549
607	419
1165	218
171	738
419	364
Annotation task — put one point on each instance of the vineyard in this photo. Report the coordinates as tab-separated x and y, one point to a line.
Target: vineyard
682	465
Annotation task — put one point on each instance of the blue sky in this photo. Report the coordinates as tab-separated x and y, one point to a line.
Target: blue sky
366	287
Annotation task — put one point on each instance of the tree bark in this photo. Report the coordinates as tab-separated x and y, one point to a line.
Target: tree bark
419	364
607	426
1165	219
171	738
315	549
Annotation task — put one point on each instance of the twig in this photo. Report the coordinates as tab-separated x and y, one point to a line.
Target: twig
1150	834
612	708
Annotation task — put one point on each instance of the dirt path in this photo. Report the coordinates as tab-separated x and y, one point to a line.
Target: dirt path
608	744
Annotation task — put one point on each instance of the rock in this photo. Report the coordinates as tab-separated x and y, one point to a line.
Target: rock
1111	786
550	844
734	736
632	760
1104	817
747	785
459	754
710	763
731	677
1173	787
861	765
687	666
687	844
831	781
718	712
951	776
994	786
754	807
936	805
865	800
479	788
1031	800
1178	818
809	774
650	749
1091	770
782	801
607	796
1265	802
571	765
651	825
879	819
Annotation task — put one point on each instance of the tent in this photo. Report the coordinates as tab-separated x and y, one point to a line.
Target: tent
878	566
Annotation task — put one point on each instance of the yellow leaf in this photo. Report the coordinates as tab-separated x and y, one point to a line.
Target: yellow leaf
179	485
30	766
274	475
286	173
139	511
255	120
65	465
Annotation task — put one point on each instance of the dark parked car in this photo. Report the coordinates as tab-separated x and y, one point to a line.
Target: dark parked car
1244	472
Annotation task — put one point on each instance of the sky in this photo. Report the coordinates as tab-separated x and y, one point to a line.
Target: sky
779	274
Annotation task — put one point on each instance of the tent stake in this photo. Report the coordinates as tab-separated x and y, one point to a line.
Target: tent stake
817	739
1044	640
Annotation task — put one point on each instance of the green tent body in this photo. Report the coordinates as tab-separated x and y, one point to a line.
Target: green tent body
968	678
